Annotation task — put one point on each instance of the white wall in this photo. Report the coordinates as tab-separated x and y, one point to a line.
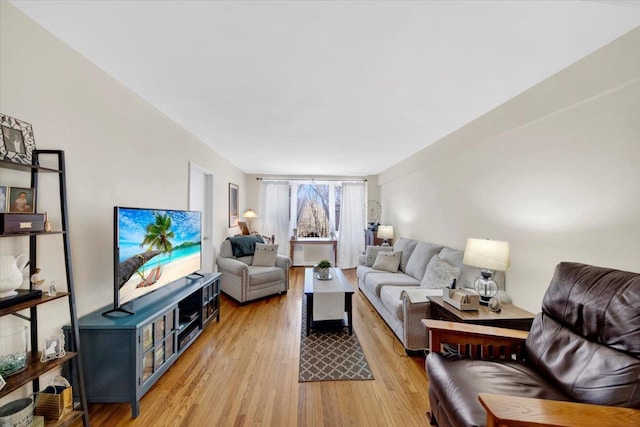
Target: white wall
555	172
120	151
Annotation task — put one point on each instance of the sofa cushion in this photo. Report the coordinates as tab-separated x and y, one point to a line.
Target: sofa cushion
260	275
372	252
420	257
265	255
363	270
387	261
406	246
439	274
458	382
468	274
374	282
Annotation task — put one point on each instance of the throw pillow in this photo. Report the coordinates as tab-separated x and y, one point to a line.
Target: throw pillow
439	274
265	255
372	252
388	261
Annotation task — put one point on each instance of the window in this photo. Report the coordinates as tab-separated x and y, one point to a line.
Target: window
317	205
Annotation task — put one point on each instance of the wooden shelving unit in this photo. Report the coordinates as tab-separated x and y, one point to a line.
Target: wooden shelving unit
35	368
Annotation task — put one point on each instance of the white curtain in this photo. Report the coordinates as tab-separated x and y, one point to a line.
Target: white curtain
274	209
352	224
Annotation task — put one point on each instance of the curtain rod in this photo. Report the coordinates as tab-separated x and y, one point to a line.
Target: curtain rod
308	179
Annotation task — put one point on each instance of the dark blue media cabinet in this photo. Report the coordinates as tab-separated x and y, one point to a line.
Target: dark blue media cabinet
126	354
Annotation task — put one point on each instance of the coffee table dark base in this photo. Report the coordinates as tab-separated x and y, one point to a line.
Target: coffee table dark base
348	293
330	324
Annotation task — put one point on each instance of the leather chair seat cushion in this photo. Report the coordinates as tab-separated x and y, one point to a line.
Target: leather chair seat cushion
458	382
260	275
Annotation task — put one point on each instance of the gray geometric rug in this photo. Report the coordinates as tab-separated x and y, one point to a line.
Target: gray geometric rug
331	355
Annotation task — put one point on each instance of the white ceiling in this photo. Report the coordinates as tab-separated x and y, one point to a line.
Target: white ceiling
330	87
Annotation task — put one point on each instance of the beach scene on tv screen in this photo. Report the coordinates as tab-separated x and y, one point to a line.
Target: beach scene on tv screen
155	248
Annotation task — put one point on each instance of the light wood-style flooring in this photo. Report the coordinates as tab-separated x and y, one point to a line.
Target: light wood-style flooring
243	371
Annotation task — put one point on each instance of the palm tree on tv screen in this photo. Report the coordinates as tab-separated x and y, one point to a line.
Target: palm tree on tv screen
158	234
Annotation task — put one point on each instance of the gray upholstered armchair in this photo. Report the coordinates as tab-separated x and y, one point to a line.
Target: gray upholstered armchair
246	282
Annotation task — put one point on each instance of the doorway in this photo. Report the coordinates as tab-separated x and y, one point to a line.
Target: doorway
201	199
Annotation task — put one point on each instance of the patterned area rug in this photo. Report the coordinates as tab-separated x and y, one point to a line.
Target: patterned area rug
331	355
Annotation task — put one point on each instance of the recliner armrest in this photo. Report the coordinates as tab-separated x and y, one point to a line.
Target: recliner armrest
232	265
477	341
520	411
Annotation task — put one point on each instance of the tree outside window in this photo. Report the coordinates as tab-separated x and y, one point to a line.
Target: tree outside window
313	204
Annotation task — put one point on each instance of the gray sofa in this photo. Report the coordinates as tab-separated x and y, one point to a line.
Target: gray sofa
401	298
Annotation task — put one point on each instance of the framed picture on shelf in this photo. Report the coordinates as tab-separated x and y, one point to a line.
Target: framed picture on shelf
3	198
243	228
52	348
21	200
16	140
233	205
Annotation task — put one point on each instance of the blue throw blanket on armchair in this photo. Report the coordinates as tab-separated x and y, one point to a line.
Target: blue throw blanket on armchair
244	245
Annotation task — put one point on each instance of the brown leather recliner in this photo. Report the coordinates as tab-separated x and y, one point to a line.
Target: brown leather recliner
583	347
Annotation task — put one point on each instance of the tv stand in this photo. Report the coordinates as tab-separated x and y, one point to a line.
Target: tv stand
130	353
117	310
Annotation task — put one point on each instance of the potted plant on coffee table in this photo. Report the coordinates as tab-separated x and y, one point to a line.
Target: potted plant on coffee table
323	269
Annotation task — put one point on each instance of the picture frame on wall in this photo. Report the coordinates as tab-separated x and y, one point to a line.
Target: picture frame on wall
16	140
233	205
21	200
3	198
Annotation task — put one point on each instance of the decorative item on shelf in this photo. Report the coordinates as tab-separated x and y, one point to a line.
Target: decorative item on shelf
13	349
385	232
294	236
2	382
3	198
21	223
16	140
489	255
47	224
249	214
53	290
323	270
494	304
11	274
55	398
461	298
21	200
52	348
36	280
243	228
17	413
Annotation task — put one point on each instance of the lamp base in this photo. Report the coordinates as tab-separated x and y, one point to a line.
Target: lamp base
484	300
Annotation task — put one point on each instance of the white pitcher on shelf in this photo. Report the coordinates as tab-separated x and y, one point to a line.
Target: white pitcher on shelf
11	273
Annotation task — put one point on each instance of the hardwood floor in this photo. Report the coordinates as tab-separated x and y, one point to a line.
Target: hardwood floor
244	371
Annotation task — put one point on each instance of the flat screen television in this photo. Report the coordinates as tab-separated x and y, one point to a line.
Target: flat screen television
153	248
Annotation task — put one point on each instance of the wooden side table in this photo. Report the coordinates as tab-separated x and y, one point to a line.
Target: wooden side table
510	316
313	241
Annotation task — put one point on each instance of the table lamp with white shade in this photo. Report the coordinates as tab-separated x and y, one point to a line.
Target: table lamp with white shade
490	256
249	214
385	232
